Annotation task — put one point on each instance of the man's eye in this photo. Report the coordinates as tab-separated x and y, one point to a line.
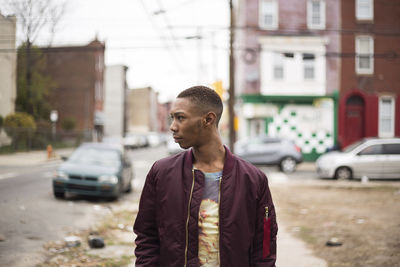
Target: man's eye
180	118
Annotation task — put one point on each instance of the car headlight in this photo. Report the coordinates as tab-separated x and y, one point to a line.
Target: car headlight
61	175
112	179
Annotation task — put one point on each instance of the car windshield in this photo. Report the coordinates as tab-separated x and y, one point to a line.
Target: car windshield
95	156
352	146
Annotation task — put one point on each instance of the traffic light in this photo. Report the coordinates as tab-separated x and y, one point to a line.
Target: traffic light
218	88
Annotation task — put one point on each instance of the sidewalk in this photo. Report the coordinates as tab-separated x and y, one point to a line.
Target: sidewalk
294	252
32	158
306	166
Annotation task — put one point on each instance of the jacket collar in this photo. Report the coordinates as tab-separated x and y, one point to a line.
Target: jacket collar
228	164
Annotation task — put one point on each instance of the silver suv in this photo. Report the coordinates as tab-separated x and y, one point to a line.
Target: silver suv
375	158
270	151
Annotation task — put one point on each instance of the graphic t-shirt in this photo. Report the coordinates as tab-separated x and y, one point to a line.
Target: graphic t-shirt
209	220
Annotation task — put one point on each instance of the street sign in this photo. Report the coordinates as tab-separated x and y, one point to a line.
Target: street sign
54	115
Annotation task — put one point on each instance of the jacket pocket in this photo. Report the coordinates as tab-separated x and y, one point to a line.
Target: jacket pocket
267	237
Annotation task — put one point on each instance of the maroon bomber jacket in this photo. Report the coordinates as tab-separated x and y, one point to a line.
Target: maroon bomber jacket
167	222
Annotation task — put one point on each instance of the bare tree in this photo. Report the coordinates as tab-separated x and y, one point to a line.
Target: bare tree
33	17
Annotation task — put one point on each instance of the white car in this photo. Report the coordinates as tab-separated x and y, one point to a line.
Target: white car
172	147
376	158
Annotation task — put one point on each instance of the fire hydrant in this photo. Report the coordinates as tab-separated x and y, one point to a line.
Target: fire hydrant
49	152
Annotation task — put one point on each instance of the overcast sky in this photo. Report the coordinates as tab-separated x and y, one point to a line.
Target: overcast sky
158	47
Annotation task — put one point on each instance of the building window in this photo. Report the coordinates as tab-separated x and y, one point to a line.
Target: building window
268	15
386	116
365	9
364	55
98	91
309	66
316	14
278	71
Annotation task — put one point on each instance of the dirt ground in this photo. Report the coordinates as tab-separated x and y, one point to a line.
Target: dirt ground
365	218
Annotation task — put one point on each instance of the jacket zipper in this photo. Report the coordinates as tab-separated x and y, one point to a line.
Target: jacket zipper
187	220
219	224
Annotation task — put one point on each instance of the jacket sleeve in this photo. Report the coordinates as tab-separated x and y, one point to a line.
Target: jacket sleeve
147	241
264	243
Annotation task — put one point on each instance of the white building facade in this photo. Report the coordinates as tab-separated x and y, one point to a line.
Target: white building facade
8	65
115	100
293	65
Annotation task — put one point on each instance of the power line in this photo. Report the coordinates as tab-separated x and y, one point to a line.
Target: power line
175	59
386	55
168	24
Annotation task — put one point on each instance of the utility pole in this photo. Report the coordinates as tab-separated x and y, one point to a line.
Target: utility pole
200	73
231	102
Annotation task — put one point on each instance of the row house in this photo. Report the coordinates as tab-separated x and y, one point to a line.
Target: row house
370	80
8	69
8	65
143	111
320	72
115	101
288	71
78	73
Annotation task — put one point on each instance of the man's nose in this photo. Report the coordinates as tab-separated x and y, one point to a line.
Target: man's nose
172	127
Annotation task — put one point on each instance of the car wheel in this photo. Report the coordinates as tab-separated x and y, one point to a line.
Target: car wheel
113	198
129	188
343	173
288	164
59	194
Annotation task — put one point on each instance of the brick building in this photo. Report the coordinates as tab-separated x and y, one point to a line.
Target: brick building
78	72
283	46
285	74
163	116
370	80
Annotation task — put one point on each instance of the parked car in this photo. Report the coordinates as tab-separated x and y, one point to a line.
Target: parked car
375	158
113	139
270	151
154	139
173	147
132	141
95	169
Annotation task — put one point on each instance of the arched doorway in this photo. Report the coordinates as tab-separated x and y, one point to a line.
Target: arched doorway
354	119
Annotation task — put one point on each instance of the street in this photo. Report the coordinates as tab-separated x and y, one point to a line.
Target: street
31	216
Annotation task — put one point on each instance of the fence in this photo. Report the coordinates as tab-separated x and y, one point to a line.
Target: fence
22	139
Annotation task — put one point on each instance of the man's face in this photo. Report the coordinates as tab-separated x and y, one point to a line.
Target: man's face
186	123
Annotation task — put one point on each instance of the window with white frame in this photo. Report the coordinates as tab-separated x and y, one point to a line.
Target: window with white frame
278	70
365	9
268	14
364	55
386	116
316	14
309	66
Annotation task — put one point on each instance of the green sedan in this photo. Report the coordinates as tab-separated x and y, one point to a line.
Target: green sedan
94	169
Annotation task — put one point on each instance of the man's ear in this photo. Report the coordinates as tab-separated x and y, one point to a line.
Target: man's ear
210	118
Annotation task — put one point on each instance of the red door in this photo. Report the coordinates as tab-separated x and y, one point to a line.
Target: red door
354	120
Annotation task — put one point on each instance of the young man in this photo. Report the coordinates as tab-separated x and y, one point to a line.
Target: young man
204	206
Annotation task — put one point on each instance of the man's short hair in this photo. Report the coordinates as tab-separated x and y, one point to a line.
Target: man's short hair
205	98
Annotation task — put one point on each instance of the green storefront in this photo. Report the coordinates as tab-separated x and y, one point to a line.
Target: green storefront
310	121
